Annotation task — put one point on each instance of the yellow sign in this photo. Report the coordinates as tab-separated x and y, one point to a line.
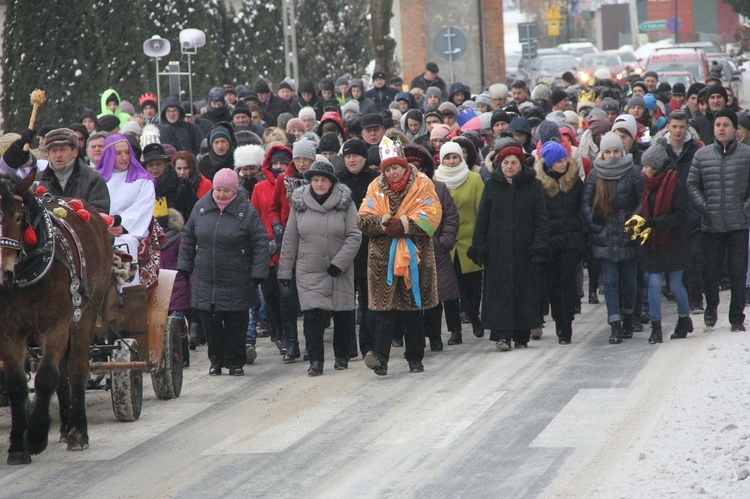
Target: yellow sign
553	28
553	14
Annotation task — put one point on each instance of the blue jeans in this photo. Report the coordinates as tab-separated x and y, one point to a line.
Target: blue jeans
674	279
620	286
252	329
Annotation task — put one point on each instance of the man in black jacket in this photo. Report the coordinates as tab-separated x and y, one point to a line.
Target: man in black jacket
272	105
716	96
382	94
175	130
429	79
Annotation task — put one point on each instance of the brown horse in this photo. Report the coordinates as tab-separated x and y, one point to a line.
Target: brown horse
42	311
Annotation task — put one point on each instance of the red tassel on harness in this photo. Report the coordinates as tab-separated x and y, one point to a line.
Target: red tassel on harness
29	236
108	221
75	204
40	190
84	215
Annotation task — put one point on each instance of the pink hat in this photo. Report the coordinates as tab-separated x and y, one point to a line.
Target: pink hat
294	123
439	131
227	178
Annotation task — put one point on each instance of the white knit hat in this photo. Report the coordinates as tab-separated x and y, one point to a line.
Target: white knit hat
307	111
149	135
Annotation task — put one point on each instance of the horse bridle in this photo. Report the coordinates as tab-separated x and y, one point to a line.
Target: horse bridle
7	242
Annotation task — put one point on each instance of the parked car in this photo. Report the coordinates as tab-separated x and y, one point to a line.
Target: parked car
631	61
577	49
608	60
672	77
679	59
546	69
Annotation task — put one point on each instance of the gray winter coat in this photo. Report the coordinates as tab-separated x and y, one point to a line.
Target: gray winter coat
317	236
224	251
719	186
608	237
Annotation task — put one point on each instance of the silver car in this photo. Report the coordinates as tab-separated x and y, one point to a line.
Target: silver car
546	69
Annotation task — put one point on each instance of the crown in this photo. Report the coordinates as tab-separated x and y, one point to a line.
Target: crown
389	149
146	98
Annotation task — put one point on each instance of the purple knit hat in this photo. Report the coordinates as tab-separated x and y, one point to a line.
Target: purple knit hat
107	161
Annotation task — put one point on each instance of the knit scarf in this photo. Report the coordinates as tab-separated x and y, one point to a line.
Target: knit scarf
452	176
615	168
663	186
398	187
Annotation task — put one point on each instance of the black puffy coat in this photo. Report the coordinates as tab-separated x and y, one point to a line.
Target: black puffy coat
511	225
562	196
178	191
184	136
608	236
224	251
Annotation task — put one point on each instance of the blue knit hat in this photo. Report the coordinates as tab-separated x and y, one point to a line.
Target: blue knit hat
552	152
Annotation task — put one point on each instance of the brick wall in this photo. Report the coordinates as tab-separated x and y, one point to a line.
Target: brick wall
494	41
413	39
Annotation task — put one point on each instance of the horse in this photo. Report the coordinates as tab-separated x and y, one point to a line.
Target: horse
60	309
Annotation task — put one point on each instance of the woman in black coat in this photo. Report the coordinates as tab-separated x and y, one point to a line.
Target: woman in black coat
563	189
510	240
225	246
172	191
664	206
611	195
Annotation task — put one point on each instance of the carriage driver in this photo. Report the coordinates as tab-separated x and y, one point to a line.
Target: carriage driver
131	192
67	175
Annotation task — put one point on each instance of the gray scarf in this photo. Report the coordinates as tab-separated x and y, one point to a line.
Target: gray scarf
63	176
615	168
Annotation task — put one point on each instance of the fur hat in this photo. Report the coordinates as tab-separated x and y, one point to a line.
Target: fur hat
656	157
552	152
498	91
451	148
249	155
68	137
304	149
610	140
321	169
226	177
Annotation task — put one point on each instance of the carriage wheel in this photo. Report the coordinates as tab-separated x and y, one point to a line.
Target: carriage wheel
167	378
127	386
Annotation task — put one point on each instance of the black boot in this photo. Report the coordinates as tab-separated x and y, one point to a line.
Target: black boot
655	333
566	332
185	351
476	327
593	299
456	338
616	336
627	325
682	328
195	337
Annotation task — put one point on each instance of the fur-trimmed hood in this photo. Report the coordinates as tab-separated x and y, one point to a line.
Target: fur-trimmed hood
175	220
551	186
340	199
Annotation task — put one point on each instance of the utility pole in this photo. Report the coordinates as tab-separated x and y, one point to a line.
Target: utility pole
633	10
290	41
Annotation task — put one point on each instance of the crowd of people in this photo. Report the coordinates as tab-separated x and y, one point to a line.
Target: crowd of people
375	207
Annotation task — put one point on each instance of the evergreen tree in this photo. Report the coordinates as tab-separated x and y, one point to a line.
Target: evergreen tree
259	42
126	68
333	38
50	48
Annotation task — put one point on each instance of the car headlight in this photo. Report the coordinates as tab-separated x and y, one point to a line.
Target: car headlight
584	77
638	70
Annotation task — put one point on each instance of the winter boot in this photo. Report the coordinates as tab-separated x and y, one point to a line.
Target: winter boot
682	328
195	336
456	338
655	333
565	332
627	325
292	352
616	337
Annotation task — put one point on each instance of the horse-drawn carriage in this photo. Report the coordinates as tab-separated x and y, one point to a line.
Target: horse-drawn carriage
64	318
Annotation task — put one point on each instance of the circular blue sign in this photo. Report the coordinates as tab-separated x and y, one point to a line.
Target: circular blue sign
449	41
674	24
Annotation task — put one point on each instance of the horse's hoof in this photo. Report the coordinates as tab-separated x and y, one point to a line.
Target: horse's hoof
77	441
32	447
63	438
77	447
16	458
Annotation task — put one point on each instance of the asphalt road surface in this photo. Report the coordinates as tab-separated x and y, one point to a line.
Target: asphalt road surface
477	422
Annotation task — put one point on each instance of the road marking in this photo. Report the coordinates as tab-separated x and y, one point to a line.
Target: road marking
585	420
280	436
438	420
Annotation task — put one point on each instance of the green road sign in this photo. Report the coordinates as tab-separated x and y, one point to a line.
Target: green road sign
653	25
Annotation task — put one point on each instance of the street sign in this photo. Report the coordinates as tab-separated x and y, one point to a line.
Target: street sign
674	25
450	43
553	28
528	32
553	14
653	25
528	50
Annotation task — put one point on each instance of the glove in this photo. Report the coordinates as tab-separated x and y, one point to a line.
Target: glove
15	157
27	136
272	247
278	233
285	282
333	270
394	228
648	223
257	281
476	255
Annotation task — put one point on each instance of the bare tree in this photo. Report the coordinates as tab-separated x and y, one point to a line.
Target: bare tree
383	43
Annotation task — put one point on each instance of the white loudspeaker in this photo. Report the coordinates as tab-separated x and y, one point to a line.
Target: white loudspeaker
156	46
192	39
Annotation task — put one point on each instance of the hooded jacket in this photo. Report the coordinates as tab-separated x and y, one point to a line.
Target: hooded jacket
184	136
330	116
562	196
123	117
212	162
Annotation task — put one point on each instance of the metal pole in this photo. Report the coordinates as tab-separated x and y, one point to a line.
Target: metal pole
675	23
449	36
158	91
633	11
190	85
290	40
